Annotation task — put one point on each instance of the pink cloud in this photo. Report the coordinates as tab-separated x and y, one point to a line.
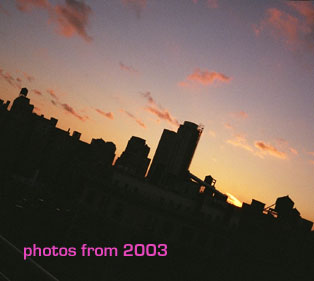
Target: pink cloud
138	121
19	82
37	92
256	29
240	140
71	18
14	82
228	126
105	114
293	151
27	5
70	110
284	24
158	110
261	148
305	8
149	97
127	68
162	114
296	31
284	145
204	77
53	95
240	115
271	150
28	77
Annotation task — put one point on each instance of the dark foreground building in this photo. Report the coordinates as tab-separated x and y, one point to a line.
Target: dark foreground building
134	159
174	154
33	148
58	190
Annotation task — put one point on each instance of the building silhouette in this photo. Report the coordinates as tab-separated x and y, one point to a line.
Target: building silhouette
58	190
133	159
174	154
39	151
21	104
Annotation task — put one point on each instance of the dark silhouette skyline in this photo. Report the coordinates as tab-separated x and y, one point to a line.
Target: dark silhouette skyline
57	190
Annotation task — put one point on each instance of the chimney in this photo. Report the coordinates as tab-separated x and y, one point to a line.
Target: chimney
76	135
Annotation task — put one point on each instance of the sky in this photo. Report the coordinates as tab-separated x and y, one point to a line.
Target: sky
112	69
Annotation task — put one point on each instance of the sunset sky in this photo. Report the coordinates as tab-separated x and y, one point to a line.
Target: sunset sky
115	68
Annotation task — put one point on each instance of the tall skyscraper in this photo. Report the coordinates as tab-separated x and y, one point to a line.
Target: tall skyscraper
174	153
134	158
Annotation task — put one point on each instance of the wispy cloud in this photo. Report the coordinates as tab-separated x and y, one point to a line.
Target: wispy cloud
70	110
295	28
149	98
262	148
228	126
240	140
9	78
293	151
240	115
312	154
138	121
284	145
306	9
28	77
39	93
19	82
135	5
158	110
162	114
270	149
127	68
204	77
28	5
282	25
53	95
105	114
71	18
55	100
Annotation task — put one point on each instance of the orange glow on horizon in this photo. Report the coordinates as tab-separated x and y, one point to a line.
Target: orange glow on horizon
233	200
